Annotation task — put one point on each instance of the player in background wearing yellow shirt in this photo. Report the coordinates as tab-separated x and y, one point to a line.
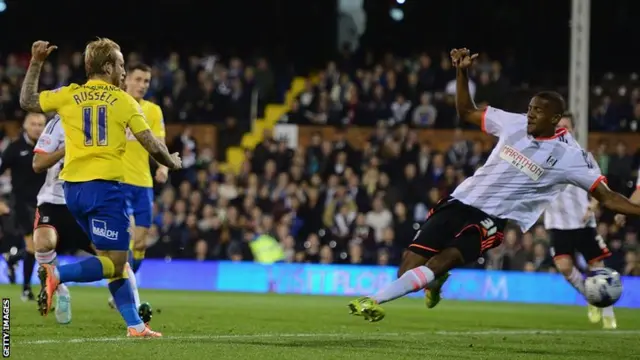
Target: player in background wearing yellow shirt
138	184
95	117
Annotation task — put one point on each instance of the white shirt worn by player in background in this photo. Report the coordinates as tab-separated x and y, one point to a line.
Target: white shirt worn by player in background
524	174
52	139
567	211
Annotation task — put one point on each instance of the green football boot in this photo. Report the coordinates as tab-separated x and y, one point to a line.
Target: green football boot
367	307
432	295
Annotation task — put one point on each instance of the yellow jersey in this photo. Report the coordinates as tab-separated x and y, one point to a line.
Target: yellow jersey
136	159
95	117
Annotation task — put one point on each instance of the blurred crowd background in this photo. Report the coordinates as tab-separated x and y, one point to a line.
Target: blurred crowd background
332	202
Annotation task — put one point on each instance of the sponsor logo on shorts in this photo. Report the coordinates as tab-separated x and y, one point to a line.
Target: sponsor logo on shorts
521	162
100	228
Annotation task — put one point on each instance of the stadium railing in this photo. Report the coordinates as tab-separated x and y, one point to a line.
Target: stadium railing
440	140
296	135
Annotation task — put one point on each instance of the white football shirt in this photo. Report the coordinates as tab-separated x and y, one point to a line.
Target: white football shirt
52	139
567	211
524	174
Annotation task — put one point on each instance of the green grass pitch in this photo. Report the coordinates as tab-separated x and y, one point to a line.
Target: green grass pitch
248	326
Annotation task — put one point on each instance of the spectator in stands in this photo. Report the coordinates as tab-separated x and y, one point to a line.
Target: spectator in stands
620	167
331	201
425	114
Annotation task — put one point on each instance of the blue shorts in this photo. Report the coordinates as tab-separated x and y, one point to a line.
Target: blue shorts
100	208
139	204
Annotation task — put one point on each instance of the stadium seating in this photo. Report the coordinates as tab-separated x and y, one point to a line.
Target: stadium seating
340	196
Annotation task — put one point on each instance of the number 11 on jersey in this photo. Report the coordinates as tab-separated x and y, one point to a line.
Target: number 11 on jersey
89	124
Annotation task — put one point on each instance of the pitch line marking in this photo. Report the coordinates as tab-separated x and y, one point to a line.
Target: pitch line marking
538	332
496	332
209	337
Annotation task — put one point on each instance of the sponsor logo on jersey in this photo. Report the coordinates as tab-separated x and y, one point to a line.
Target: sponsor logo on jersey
521	162
44	141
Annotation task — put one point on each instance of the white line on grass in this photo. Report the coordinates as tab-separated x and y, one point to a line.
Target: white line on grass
539	332
212	337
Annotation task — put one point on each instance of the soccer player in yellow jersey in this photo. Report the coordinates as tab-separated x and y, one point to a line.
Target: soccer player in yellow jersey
138	185
95	117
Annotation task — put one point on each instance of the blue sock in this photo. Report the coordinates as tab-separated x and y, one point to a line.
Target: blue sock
136	265
135	259
123	295
89	270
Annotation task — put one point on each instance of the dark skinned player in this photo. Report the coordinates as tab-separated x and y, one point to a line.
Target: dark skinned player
530	165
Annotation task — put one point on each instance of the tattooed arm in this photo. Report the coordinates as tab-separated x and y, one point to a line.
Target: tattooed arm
29	96
158	150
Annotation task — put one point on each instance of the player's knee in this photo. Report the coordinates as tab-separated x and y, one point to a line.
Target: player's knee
445	261
44	240
402	270
118	270
410	260
564	265
119	260
596	264
140	239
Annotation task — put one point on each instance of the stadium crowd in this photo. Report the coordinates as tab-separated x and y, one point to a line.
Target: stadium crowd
331	202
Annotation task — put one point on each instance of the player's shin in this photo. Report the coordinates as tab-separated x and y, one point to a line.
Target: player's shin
139	247
136	259
411	281
88	270
28	264
27	270
123	295
51	257
134	285
576	279
571	273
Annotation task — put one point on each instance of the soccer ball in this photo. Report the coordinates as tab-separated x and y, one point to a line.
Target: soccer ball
146	312
603	287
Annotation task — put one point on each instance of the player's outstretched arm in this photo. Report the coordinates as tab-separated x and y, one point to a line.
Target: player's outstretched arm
466	108
635	197
29	96
615	201
158	150
42	161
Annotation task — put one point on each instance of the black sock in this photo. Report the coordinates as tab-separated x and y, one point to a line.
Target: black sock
27	269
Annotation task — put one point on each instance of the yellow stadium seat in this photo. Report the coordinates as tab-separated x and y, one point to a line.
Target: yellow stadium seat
272	113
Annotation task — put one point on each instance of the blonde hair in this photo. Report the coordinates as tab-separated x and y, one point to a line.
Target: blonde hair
99	53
